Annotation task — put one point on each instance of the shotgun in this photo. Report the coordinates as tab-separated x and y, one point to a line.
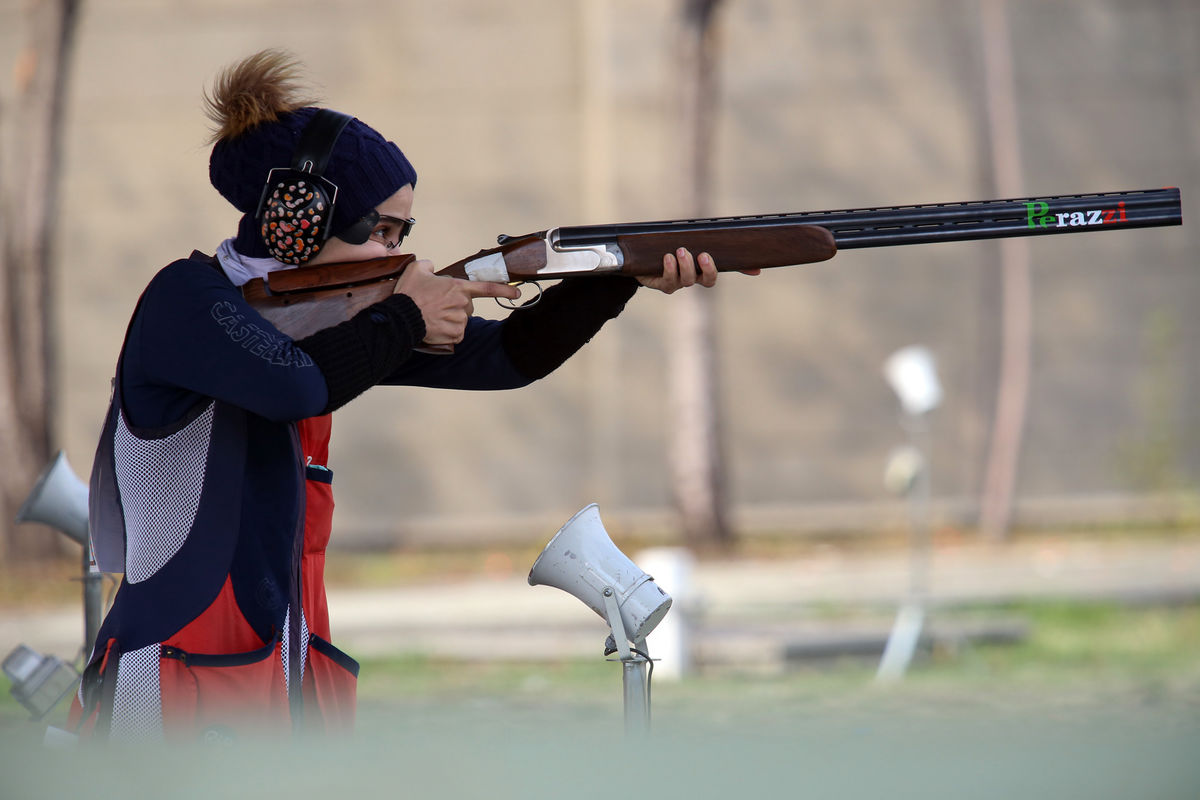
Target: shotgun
304	300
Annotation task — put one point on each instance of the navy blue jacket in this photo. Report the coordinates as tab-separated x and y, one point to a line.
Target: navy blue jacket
195	347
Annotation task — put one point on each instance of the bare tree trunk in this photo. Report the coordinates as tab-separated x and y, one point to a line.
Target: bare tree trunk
697	462
28	203
602	357
1008	424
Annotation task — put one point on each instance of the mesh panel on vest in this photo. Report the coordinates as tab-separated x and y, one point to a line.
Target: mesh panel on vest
137	701
303	643
285	649
160	481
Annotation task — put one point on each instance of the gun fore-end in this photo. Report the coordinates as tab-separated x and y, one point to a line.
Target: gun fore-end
760	247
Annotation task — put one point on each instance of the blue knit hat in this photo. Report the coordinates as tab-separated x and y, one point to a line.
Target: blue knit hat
366	168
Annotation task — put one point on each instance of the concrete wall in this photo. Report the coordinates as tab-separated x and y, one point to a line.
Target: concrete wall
524	116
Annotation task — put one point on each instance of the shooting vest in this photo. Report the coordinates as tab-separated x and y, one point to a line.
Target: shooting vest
212	636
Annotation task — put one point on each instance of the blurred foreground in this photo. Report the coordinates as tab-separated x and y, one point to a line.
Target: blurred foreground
474	684
555	731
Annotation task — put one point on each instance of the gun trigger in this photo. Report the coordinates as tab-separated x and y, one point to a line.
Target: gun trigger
504	239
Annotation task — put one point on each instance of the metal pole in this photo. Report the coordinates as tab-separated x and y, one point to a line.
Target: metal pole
634	684
910	620
919	507
637	701
93	603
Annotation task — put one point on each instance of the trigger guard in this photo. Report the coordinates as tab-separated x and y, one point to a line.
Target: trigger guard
511	305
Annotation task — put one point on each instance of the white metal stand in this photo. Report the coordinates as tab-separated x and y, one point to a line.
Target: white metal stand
909	626
634	679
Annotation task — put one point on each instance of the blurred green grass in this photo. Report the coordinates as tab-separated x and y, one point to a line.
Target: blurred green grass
1076	653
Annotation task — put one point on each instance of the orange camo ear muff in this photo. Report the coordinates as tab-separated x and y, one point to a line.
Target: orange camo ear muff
295	212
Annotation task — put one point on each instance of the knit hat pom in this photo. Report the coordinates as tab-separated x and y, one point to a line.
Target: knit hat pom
256	90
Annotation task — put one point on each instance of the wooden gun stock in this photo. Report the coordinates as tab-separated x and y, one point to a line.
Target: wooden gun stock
300	302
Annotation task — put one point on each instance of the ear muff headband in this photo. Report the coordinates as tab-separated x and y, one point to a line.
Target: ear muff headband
295	212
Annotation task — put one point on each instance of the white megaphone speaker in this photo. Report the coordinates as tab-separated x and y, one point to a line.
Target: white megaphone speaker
60	500
582	560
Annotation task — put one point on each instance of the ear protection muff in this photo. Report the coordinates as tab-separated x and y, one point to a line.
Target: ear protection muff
295	213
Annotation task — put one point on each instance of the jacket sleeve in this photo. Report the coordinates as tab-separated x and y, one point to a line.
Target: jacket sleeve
360	352
194	336
526	346
539	338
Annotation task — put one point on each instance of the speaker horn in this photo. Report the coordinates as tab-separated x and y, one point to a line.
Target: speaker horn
60	500
582	560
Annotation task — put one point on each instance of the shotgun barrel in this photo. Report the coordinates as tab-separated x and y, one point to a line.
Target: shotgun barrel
935	222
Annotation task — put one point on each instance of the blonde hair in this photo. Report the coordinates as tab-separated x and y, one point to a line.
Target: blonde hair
255	90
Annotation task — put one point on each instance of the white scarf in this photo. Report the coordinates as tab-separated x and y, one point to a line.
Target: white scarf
242	269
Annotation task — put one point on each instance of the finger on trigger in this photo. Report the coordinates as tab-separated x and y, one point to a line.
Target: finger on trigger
493	289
